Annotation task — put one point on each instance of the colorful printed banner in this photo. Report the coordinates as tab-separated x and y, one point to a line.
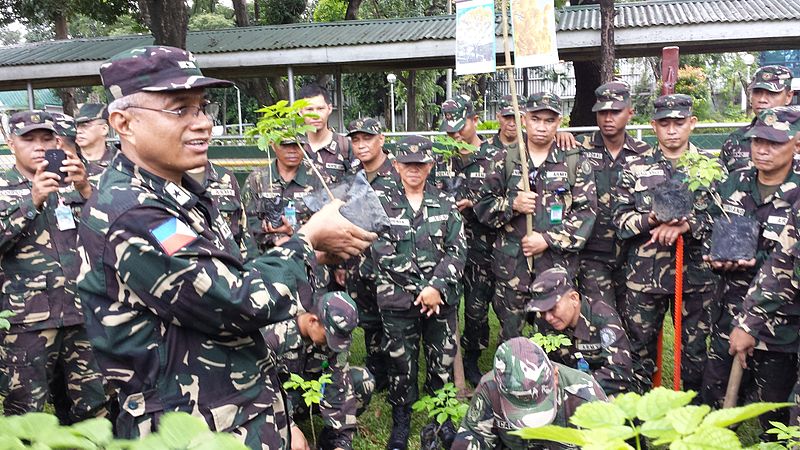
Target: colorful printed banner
534	25
475	37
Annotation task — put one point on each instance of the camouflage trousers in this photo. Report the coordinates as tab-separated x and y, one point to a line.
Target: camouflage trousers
602	280
402	333
369	319
509	305
478	292
31	364
643	317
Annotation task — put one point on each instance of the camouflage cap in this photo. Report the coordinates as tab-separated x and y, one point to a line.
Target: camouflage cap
613	96
91	111
366	125
455	112
776	124
338	314
526	380
772	78
541	101
547	289
675	106
506	106
26	121
64	124
154	69
414	149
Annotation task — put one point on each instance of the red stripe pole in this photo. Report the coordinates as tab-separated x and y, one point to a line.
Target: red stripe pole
678	313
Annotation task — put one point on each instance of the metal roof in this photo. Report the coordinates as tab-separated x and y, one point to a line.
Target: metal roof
15	100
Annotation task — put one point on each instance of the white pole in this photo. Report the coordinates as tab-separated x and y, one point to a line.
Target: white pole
391	90
290	74
31	103
239	109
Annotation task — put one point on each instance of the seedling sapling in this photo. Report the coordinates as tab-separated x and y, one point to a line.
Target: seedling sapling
449	149
312	390
444	405
551	342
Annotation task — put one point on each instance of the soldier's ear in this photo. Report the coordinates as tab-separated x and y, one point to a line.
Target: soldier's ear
120	121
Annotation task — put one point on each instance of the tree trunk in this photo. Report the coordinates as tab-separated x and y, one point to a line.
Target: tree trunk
256	12
606	40
352	9
67	95
240	13
587	79
144	12
169	21
411	101
525	81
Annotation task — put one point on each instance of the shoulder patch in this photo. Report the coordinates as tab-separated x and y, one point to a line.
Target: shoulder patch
173	234
586	167
607	337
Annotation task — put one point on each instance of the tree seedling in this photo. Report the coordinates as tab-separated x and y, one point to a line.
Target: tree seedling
312	391
551	342
448	149
702	171
444	405
788	437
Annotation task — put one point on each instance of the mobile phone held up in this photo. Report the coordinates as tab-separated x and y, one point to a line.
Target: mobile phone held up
55	159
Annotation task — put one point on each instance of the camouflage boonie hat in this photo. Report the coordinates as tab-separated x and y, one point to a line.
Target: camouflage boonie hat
154	69
26	121
64	124
339	316
414	149
776	124
613	96
367	125
544	100
90	112
506	106
772	78
526	381
675	106
455	112
547	289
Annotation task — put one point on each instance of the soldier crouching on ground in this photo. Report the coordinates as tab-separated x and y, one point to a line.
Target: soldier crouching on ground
419	265
523	390
46	352
173	310
317	342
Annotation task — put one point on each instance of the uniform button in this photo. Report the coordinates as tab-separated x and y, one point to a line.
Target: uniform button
133	404
30	214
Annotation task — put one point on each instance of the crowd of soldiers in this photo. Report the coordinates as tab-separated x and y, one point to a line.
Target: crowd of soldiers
143	280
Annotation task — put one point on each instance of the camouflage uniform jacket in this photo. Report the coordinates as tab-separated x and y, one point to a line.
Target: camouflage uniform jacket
96	168
495	141
483	427
651	266
176	326
422	248
603	343
335	159
38	262
473	170
735	152
740	197
607	170
565	237
222	186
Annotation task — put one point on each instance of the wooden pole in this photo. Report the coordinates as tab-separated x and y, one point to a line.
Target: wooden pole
734	382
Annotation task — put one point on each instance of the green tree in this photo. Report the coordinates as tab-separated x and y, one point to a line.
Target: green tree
693	81
330	10
209	21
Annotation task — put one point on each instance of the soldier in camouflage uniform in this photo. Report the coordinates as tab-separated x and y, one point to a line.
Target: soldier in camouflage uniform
767	193
419	264
172	308
562	202
771	87
317	342
651	256
593	326
460	121
524	389
507	134
368	140
65	129
331	152
602	261
223	188
92	130
46	350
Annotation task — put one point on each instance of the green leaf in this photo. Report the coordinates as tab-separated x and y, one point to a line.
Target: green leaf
612	433
687	419
707	438
553	433
219	441
730	416
659	429
178	429
596	415
5	314
441	417
97	430
628	402
62	437
32	425
656	403
608	445
768	446
10	443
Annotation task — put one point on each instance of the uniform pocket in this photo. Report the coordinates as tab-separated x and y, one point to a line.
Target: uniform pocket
27	299
505	260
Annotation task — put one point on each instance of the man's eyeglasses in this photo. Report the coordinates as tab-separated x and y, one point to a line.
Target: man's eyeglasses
210	110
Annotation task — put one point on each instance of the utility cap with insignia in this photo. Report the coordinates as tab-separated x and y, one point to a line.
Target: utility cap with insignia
414	149
675	106
455	113
548	288
26	121
154	69
613	96
544	100
772	78
506	105
367	125
526	381
776	124
91	111
338	314
64	124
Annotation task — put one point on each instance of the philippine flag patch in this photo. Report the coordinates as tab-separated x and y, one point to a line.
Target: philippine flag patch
173	235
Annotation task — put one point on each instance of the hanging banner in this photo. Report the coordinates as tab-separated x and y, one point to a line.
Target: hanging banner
534	26
475	37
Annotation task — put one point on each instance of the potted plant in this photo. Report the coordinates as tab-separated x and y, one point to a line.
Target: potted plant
733	238
447	150
443	406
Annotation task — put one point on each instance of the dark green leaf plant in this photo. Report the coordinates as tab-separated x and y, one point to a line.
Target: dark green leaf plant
312	391
443	405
